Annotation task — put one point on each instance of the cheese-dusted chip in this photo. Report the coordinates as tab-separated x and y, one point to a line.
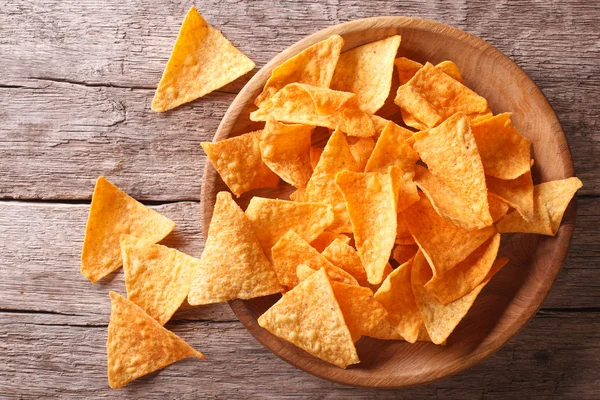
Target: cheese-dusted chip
396	296
239	163
450	152
326	238
440	320
467	274
315	155
550	202
346	257
403	235
518	193
443	243
303	271
309	317
272	218
202	61
138	345
157	278
504	152
297	195
431	97
372	208
233	264
321	187
299	103
291	250
113	213
367	71
285	149
361	311
404	252
361	149
498	207
450	69
313	66
392	150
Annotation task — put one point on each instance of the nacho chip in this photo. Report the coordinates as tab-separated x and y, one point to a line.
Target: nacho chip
157	278
313	66
404	252
202	61
285	149
239	163
361	150
431	97
309	317
315	156
297	195
403	235
550	202
395	294
361	311
372	209
498	207
392	150
326	238
450	152
321	186
138	345
443	243
518	193
113	213
385	331
272	218
450	69
467	274
291	250
242	271
298	103
367	71
345	257
440	320
504	152
303	271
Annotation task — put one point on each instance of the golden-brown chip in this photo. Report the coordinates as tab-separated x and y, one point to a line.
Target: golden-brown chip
233	264
315	156
297	195
385	331
450	152
518	193
113	213
345	257
298	103
157	278
372	208
403	235
367	71
404	252
361	311
202	61
498	207
321	187
309	317
272	218
361	149
443	243
313	66
138	345
326	238
550	202
239	163
504	152
395	294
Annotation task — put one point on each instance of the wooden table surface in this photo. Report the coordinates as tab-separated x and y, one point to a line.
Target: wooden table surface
76	81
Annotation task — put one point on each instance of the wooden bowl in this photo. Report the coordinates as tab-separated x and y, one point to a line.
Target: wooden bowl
516	292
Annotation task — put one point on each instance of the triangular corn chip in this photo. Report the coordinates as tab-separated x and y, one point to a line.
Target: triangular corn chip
285	149
504	152
361	311
498	207
272	218
313	66
395	294
309	317
518	193
450	69
303	271
315	156
440	320
372	209
233	264
467	274
113	213
298	103
361	149
367	71
392	150
326	238
403	235
550	202
450	152
404	252
202	61
321	187
443	243
138	345
385	331
297	195
158	278
238	161
291	250
345	257
431	97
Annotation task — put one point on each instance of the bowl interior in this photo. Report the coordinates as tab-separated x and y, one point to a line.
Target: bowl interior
515	293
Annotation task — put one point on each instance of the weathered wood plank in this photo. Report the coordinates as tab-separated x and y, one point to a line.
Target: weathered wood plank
40	356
